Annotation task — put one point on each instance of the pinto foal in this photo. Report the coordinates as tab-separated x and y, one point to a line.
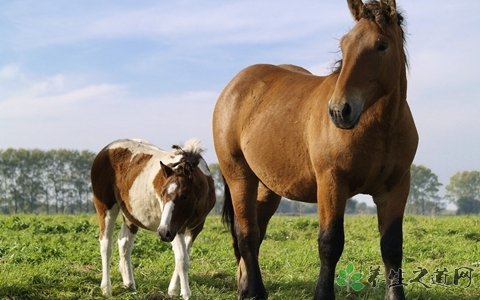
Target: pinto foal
170	192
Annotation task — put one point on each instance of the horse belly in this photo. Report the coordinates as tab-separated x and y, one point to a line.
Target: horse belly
291	179
144	204
146	211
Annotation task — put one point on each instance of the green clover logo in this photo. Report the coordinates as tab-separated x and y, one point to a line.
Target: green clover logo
350	279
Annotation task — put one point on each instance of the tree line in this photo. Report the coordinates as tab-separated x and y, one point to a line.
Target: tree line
463	190
37	181
58	181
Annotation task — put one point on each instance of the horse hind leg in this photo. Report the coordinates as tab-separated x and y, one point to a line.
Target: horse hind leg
126	239
247	236
106	218
267	204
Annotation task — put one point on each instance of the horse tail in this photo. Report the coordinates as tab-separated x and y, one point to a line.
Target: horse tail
228	217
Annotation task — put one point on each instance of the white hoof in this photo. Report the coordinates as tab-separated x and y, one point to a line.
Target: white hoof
186	297
172	292
106	291
186	294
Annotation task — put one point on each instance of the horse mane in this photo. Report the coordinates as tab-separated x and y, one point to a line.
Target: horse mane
382	15
191	152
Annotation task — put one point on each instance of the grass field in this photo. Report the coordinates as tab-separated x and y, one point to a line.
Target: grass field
57	257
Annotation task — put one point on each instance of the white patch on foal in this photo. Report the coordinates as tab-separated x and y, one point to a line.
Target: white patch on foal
167	214
172	188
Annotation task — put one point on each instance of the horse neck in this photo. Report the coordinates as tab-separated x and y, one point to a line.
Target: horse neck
390	108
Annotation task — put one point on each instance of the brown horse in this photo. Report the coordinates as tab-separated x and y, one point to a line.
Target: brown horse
170	192
280	131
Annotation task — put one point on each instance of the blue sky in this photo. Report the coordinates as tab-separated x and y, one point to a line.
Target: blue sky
79	74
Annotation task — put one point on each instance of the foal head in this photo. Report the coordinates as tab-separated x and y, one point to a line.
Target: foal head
177	197
373	60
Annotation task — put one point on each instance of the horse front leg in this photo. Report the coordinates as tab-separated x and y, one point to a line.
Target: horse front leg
180	273
331	207
390	210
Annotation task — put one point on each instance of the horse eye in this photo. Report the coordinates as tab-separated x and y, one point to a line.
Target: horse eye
382	46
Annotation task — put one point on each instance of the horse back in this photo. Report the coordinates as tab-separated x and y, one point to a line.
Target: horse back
125	172
263	117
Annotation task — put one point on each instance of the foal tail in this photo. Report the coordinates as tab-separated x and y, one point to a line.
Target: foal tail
227	212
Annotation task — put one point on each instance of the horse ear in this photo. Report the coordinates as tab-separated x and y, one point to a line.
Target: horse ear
167	171
356	8
391	4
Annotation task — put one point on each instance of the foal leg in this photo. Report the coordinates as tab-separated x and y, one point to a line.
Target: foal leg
126	238
331	208
106	219
180	244
390	209
188	237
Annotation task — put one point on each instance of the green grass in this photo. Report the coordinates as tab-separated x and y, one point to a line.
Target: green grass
57	257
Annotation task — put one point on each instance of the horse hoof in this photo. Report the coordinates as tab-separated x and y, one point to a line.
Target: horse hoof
106	292
130	287
253	295
173	292
186	294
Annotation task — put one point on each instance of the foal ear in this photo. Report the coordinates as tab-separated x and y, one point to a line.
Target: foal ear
356	8
167	171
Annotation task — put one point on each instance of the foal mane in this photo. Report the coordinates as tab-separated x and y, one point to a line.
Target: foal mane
190	152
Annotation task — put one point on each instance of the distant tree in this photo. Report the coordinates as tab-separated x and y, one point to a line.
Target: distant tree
351	206
424	187
463	185
468	206
80	178
364	208
292	207
219	186
31	181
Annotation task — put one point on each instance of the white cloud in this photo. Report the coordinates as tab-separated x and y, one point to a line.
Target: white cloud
10	72
51	96
204	22
43	104
60	112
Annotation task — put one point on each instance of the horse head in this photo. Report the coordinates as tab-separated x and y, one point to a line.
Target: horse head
373	61
177	194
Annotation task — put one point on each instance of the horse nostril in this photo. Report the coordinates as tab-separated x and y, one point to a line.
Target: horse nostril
165	234
346	111
331	112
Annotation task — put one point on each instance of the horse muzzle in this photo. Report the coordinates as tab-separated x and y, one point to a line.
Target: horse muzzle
165	233
344	115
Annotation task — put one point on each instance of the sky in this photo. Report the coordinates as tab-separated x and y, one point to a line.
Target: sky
80	74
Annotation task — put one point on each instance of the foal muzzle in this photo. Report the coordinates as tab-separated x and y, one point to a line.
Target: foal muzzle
165	233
